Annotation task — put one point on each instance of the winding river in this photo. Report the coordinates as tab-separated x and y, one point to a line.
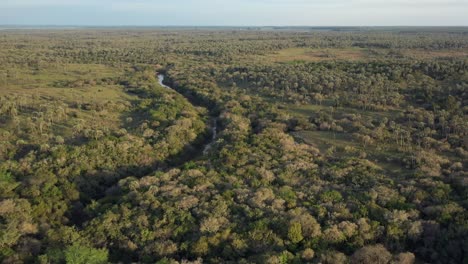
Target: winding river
213	126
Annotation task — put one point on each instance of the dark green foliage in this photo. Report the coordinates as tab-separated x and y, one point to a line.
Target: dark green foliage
76	254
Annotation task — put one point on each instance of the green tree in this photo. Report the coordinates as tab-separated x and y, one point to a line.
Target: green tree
295	232
77	254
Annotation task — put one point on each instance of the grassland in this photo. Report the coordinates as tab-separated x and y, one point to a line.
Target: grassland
75	88
313	55
308	110
55	81
358	54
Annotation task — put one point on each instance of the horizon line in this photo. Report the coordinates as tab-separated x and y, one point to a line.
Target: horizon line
241	26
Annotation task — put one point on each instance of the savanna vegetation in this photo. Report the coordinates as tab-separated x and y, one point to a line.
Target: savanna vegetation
272	146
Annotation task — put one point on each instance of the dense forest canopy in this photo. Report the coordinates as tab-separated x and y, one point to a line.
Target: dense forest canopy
270	146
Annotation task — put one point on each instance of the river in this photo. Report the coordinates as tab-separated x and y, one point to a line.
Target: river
214	123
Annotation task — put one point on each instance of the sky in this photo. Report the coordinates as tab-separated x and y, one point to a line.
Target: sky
235	13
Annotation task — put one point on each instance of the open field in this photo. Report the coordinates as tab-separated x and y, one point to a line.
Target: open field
77	90
359	54
68	81
309	110
314	55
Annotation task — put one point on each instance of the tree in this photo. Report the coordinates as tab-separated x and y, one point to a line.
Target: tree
295	232
333	257
77	254
404	258
375	254
318	98
308	254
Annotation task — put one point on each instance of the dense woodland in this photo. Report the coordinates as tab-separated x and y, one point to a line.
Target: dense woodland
274	146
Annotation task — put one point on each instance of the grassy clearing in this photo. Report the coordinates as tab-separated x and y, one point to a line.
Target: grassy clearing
347	146
312	55
323	140
87	95
434	54
344	142
292	55
46	83
49	88
309	110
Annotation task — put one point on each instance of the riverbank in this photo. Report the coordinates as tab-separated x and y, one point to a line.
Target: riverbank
213	127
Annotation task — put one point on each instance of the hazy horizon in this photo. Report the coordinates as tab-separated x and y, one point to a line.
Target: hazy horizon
226	26
239	13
